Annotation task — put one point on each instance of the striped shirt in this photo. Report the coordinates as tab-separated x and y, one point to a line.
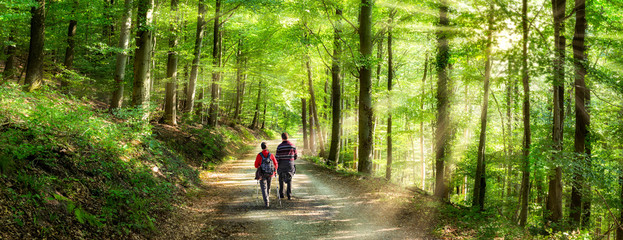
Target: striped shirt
286	151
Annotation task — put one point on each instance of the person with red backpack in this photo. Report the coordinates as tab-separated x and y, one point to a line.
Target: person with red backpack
266	165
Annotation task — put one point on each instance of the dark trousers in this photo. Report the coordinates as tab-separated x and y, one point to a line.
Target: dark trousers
288	181
265	187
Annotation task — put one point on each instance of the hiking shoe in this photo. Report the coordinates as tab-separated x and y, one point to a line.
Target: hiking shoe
267	205
289	197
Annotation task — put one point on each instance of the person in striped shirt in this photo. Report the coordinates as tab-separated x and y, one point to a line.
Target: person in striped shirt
286	154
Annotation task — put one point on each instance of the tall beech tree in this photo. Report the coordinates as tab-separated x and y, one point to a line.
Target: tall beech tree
554	195
217	53
480	182
194	71
170	106
143	54
71	43
390	78
34	67
366	112
442	128
336	94
122	56
527	133
580	200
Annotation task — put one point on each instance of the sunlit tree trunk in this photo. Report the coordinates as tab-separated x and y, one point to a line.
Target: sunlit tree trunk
366	113
312	133
122	56
217	53
527	134
142	56
390	78
34	67
336	96
480	182
554	195
422	124
304	119
442	130
257	106
194	72
170	107
580	205
239	91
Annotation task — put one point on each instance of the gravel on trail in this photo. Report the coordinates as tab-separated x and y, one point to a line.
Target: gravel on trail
324	205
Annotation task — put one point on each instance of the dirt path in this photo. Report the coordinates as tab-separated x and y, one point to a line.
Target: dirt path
324	206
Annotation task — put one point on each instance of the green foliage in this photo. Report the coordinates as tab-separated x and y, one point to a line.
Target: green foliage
113	185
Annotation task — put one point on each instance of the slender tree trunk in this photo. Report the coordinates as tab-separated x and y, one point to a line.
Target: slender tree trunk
336	96
580	205
122	57
142	56
71	44
527	133
264	115
304	119
554	196
442	130
170	110
313	110
480	182
312	133
390	78
257	106
422	125
192	81
366	113
9	66
239	96
216	62
34	67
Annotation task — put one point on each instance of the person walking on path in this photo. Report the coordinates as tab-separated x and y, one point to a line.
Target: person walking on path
266	165
286	154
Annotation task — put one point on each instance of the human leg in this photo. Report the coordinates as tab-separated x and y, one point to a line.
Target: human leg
264	188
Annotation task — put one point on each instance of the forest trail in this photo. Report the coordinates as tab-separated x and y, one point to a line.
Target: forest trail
323	207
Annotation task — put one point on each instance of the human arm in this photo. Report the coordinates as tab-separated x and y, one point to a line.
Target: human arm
258	161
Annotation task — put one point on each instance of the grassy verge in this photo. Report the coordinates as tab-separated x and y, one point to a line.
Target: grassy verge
69	169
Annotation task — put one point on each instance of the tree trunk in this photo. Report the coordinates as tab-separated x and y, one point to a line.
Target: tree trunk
527	133
192	81
34	67
312	133
366	113
216	62
313	110
71	44
304	119
239	95
257	106
336	96
480	182
264	115
442	130
554	196
142	56
580	205
390	78
122	57
170	110
422	125
9	66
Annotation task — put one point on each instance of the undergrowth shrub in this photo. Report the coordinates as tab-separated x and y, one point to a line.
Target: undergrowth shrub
70	168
